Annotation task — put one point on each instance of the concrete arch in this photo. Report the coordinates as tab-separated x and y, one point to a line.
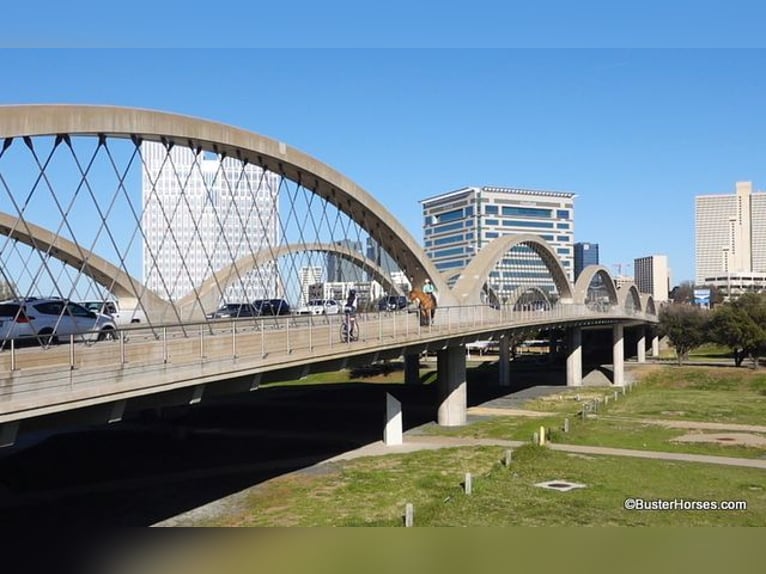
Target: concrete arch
586	277
519	291
115	280
627	292
209	291
321	179
647	304
468	287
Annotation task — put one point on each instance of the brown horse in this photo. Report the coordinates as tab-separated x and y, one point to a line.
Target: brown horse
426	304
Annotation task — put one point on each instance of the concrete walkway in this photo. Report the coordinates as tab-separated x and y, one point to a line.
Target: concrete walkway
424	442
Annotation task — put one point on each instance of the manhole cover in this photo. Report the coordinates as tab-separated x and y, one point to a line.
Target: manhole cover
560	485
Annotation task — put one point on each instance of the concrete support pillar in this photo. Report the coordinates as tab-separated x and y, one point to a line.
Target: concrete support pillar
574	357
618	355
504	362
641	349
392	432
656	346
411	369
453	391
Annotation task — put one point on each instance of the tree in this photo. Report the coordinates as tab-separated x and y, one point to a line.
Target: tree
731	326
683	293
684	326
745	324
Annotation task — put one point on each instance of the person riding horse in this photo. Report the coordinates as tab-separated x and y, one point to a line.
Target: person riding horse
426	302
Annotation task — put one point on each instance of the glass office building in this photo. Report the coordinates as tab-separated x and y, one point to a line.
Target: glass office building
584	254
458	224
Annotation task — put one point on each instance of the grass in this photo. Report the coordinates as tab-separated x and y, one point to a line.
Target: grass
720	395
373	491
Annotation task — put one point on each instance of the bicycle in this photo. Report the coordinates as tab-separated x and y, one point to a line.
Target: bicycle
349	328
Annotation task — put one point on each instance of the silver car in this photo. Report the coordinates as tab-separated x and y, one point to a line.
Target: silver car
49	319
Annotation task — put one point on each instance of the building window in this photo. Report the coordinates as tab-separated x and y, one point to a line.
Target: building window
452	239
526	212
449	252
562	226
491	222
490	209
562	214
450	215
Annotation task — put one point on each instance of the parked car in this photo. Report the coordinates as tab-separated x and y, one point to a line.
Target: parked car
121	316
50	319
272	307
234	311
319	307
392	303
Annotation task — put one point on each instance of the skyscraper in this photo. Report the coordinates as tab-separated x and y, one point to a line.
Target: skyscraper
458	224
730	233
652	275
584	254
201	214
341	270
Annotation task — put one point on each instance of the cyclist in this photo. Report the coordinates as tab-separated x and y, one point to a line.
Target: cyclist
350	331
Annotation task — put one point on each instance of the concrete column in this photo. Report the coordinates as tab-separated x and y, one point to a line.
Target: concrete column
574	357
453	392
618	355
656	346
392	433
412	369
641	350
504	362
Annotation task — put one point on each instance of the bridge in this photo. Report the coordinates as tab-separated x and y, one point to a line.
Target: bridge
173	216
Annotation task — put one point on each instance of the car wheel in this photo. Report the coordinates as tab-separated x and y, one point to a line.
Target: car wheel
107	334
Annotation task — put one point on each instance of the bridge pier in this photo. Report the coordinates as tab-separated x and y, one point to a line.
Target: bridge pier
412	368
452	386
656	346
504	361
618	355
641	348
574	357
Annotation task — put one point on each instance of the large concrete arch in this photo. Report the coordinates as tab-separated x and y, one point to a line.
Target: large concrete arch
209	291
519	291
467	289
629	291
321	179
114	279
647	304
586	277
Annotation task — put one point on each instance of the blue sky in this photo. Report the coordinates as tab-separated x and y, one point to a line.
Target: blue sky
635	133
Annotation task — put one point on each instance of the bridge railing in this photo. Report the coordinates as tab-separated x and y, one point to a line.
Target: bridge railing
268	339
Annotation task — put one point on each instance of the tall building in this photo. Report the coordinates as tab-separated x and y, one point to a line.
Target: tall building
584	254
311	280
730	233
458	224
652	275
202	213
340	270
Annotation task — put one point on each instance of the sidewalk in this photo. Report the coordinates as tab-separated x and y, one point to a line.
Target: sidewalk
432	442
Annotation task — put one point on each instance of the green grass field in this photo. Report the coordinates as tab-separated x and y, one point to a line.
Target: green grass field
374	490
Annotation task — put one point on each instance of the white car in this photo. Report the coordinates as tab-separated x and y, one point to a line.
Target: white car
48	320
319	307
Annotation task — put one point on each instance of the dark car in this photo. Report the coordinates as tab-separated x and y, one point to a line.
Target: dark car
272	307
234	311
392	303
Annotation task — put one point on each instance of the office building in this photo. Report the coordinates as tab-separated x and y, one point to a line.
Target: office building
730	233
201	213
458	224
310	283
652	275
584	254
342	270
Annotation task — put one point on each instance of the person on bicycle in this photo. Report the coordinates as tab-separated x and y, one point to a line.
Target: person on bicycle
351	303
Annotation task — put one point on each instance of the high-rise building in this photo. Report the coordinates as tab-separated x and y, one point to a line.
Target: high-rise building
201	214
458	224
730	233
652	275
340	270
311	280
584	254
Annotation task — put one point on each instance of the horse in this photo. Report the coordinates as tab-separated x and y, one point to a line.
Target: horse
426	304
